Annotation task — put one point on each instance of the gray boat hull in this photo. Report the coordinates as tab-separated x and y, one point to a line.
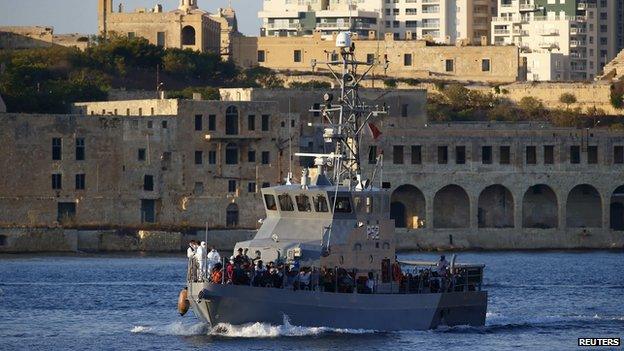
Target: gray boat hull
238	304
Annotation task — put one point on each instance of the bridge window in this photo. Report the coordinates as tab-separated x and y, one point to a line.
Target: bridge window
343	204
303	203
269	201
320	204
286	203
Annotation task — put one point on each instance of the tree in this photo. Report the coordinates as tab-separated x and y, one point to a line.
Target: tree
533	107
567	99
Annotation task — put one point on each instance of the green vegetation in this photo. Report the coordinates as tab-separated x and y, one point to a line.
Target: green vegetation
457	103
567	99
617	96
312	84
50	79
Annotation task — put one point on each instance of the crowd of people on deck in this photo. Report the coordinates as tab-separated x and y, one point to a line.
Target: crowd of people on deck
241	269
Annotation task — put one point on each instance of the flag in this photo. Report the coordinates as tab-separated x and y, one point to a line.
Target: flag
374	131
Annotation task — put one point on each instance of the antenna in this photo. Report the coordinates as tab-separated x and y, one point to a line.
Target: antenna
290	158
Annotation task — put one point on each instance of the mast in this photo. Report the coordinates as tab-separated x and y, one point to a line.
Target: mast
347	117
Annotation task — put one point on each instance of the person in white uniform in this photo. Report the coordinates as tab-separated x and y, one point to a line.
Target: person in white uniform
213	258
200	256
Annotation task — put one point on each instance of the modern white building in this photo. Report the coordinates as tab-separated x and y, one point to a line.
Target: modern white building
560	39
444	21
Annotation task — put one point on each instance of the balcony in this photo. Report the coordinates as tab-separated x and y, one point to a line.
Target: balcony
548	45
577	43
549	31
528	7
283	26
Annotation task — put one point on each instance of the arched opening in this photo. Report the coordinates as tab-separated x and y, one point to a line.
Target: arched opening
616	209
231	154
231	215
584	207
231	120
451	208
496	207
188	35
539	208
407	207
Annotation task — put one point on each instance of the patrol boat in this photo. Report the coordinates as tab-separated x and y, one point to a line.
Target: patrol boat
337	225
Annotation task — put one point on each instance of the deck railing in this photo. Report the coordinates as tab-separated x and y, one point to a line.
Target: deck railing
415	278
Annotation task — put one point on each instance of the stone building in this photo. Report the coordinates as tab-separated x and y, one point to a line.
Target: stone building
186	27
484	185
33	37
405	58
142	164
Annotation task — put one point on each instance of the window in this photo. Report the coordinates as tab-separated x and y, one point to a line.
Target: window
212	157
297	55
231	120
486	155
251	187
303	203
343	204
316	107
416	154
199	157
266	157
80	149
407	59
57	149
141	155
80	181
148	183
592	154
575	154
618	155
285	203
485	65
269	201
231	154
372	154
549	154
164	124
198	122
320	203
160	39
397	154
449	65
150	124
261	56
442	155
231	186
504	155
460	155
251	122
251	156
265	123
404	110
531	155
57	181
370	59
212	122
266	185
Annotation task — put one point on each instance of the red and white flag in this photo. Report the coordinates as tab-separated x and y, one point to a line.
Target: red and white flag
375	132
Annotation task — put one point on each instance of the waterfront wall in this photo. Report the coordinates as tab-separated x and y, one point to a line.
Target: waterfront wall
50	240
42	240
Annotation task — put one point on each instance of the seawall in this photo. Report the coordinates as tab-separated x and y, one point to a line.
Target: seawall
42	240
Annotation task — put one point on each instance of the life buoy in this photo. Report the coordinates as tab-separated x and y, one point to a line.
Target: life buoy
183	302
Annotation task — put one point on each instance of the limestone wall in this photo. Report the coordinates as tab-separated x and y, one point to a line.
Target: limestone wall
406	58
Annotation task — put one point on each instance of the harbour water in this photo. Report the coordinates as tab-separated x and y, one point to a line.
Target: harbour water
537	300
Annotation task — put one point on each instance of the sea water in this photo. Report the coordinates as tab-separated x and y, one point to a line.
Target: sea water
537	301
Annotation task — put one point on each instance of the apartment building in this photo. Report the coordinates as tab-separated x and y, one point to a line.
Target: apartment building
440	20
560	39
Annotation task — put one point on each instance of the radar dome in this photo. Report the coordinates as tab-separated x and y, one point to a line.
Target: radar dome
343	40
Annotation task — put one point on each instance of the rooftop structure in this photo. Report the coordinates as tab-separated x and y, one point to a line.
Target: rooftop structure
441	21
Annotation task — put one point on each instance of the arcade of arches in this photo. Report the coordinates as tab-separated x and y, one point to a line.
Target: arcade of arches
496	208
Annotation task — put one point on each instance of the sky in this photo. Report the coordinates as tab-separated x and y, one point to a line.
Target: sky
80	16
